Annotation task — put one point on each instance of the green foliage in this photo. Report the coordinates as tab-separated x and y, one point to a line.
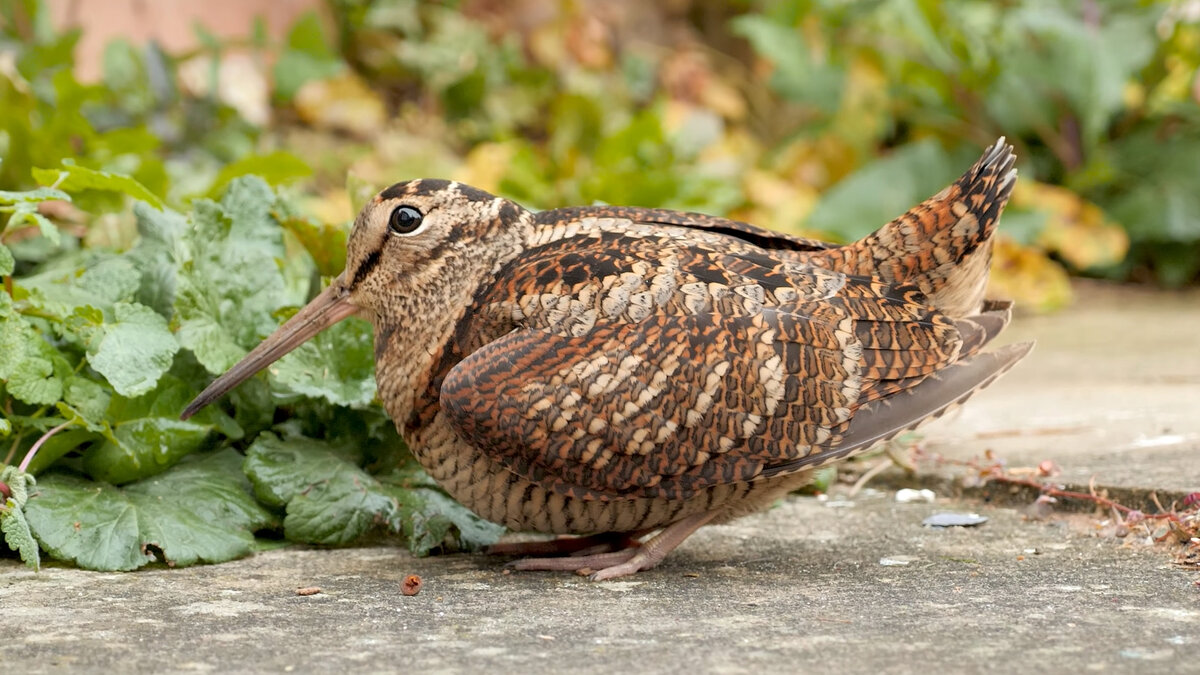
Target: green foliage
200	511
1117	126
12	515
306	57
101	350
75	179
330	500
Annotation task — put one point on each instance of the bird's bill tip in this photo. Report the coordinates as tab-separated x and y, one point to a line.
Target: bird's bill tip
329	307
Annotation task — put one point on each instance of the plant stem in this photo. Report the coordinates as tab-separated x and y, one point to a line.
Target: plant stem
38	444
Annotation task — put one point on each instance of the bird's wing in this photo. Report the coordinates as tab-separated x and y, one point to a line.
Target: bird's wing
752	234
651	365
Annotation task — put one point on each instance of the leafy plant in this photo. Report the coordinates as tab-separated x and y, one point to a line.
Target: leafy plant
102	350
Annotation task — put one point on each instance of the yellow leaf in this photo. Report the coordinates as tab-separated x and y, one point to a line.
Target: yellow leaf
1075	228
864	108
486	165
325	243
343	103
1027	276
776	203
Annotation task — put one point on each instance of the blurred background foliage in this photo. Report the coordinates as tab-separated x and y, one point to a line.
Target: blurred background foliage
821	117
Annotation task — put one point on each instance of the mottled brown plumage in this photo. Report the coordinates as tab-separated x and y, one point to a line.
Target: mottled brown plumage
622	370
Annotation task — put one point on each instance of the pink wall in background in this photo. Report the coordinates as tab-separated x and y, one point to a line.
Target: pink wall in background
170	22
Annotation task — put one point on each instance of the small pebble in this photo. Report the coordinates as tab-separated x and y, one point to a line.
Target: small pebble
896	560
954	520
308	590
909	495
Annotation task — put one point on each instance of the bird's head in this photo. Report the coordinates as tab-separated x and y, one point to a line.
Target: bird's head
415	240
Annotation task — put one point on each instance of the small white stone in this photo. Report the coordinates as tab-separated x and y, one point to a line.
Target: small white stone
909	495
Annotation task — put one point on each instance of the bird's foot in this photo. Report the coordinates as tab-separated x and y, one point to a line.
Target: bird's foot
634	558
574	546
580	564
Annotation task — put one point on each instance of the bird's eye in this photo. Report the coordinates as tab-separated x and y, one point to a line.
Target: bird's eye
405	220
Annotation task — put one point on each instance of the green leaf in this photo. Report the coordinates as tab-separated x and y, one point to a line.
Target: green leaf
797	75
308	57
23	208
325	244
19	484
427	516
133	351
338	511
294	69
7	263
17	534
87	523
26	212
36	195
275	168
87	399
200	511
146	436
59	445
331	501
281	469
27	361
229	275
308	36
75	178
895	183
338	365
156	253
12	515
77	294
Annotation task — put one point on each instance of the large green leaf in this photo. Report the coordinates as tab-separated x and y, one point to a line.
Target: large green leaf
144	435
884	189
197	512
75	178
229	275
31	368
337	365
798	76
331	501
275	168
133	350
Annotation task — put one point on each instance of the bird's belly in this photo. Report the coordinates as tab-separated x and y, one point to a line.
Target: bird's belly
488	488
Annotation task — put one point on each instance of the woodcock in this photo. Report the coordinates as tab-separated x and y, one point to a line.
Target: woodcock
618	371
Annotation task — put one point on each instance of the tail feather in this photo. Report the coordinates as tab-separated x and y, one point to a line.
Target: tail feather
982	328
888	417
943	245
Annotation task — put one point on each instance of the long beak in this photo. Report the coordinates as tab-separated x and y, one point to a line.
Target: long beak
328	308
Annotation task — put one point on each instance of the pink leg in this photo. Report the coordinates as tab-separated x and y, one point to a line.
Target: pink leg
624	562
592	543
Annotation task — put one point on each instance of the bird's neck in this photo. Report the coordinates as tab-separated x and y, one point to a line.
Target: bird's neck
415	334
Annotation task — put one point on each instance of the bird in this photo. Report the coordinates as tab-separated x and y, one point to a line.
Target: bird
627	375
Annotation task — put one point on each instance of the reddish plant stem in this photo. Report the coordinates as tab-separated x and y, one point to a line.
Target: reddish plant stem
1052	491
38	444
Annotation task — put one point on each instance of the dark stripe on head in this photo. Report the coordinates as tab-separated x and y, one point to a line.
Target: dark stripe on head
430	185
402	190
365	268
474	194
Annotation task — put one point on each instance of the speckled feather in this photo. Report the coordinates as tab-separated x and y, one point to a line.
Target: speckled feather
616	369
